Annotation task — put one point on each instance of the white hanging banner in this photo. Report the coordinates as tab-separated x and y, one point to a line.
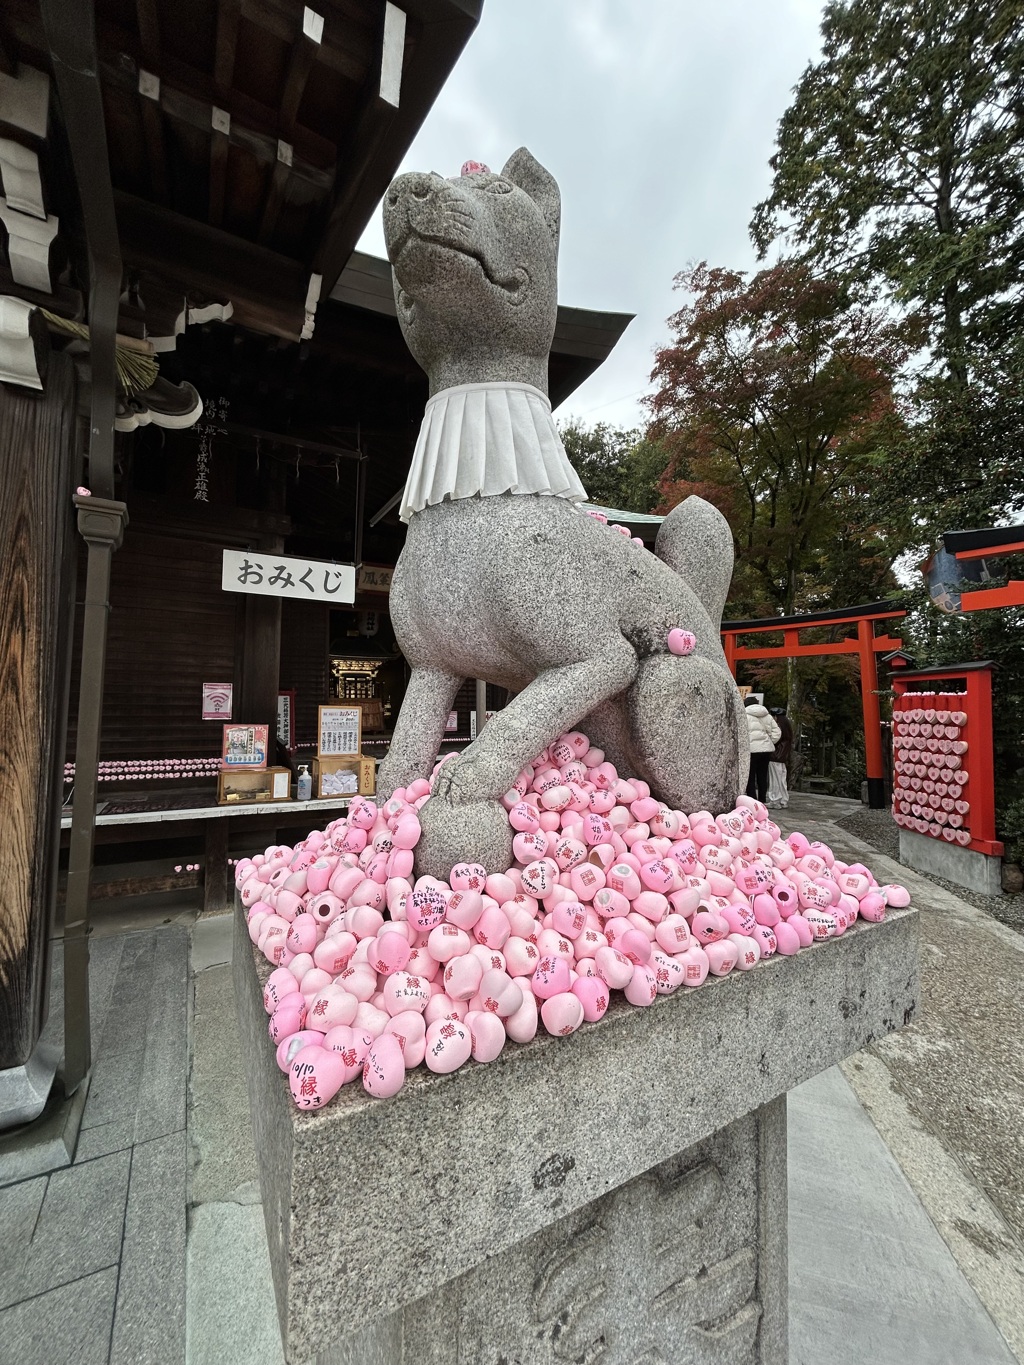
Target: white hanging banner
275	575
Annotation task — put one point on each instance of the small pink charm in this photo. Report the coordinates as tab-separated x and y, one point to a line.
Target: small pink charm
280	983
498	993
288	1018
388	953
492	929
669	974
402	991
681	641
464	909
787	940
410	1029
330	1007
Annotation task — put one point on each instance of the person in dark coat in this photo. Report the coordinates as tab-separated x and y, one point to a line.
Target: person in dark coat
778	767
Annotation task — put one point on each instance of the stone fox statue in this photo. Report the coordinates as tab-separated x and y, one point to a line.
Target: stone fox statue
502	576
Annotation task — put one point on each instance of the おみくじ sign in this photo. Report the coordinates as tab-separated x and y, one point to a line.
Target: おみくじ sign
275	575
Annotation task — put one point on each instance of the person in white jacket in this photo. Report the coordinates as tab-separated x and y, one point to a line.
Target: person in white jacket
764	735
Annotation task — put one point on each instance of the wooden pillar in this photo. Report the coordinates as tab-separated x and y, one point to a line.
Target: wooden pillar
38	472
872	715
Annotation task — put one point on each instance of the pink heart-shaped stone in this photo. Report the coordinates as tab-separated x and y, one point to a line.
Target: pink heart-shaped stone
748	951
330	1007
404	991
289	1048
384	1067
722	955
280	983
410	1029
498	993
449	1045
669	974
315	1076
552	977
963	836
487	1033
426	907
462	977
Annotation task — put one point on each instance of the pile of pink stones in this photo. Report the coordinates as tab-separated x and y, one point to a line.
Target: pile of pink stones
611	891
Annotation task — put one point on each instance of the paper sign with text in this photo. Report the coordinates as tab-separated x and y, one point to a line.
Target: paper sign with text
275	575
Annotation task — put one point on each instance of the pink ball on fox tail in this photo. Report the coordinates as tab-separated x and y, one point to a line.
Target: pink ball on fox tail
681	641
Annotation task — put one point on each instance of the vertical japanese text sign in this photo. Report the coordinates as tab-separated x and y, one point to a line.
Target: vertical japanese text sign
275	575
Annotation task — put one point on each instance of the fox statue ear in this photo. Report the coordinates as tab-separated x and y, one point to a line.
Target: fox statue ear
529	175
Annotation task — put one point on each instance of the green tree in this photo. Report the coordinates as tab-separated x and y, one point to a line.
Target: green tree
776	400
618	467
901	157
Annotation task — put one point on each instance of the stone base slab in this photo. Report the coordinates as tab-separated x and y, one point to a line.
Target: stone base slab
964	866
687	1262
460	1196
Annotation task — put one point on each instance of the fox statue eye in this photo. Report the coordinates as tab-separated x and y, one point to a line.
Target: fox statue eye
498	187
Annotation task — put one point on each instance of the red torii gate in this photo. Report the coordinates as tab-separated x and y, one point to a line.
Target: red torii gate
988	544
864	643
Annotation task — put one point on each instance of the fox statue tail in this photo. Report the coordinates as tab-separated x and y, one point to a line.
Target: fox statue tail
695	541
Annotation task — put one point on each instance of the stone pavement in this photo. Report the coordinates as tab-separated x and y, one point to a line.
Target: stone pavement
905	1172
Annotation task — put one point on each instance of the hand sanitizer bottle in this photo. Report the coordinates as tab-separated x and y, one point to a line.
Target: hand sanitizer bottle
303	784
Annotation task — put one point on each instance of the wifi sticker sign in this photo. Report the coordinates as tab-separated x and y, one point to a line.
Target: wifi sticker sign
216	701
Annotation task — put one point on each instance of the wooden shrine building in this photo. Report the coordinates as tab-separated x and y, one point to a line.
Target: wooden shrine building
183	187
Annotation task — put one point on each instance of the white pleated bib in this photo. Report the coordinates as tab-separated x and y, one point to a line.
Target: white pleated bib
477	440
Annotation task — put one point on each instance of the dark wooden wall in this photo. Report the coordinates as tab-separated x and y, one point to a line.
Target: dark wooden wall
38	473
304	661
171	629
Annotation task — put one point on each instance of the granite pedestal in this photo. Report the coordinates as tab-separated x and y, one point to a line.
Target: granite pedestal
616	1197
964	866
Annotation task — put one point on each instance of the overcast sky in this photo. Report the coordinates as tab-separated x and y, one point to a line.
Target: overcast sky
656	117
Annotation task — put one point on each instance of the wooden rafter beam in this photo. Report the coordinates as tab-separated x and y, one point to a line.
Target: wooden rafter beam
380	134
350	59
228	12
275	198
226	45
149	108
198	113
300	63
